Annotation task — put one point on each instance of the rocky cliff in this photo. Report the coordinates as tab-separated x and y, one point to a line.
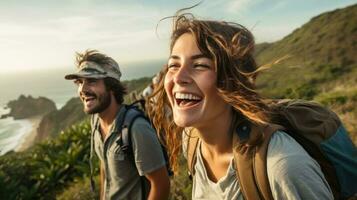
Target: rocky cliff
56	121
25	107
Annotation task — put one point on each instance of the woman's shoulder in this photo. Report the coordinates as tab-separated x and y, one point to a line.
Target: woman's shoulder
292	172
285	150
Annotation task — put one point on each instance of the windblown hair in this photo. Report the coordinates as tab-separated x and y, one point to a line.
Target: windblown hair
94	56
111	84
230	45
117	87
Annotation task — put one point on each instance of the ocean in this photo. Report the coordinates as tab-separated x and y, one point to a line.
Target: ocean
12	132
51	84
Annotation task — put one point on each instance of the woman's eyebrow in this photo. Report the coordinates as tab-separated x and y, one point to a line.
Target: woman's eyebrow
197	56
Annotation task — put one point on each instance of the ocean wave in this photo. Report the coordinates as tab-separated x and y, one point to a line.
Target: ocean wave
13	133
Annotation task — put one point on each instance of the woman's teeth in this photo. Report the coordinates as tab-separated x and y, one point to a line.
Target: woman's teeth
186	99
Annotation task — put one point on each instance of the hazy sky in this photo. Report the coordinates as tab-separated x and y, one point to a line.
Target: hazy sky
37	34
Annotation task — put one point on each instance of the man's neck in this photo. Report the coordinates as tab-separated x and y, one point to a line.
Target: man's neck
107	117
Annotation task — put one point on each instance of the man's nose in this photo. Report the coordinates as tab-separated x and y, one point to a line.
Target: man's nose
82	87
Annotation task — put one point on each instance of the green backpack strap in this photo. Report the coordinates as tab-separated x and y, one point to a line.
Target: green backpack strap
192	143
250	158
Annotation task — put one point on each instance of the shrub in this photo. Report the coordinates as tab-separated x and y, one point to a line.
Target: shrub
305	91
47	168
333	99
80	190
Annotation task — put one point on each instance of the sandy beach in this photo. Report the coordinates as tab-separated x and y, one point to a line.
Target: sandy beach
29	139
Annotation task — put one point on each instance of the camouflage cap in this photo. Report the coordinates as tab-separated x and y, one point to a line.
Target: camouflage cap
90	69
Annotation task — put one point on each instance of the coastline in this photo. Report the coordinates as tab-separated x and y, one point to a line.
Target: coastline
29	138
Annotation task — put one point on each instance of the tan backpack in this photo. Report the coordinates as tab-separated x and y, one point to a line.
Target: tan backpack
317	129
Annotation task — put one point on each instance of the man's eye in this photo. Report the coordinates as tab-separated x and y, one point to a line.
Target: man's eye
92	80
173	65
77	82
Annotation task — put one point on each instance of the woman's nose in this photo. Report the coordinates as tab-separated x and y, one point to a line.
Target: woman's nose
182	76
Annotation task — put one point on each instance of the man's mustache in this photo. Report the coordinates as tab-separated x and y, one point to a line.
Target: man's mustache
89	94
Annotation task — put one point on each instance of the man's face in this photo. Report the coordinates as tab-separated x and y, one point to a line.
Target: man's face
94	95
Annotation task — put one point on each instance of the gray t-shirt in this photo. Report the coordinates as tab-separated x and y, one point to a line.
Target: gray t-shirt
122	172
292	174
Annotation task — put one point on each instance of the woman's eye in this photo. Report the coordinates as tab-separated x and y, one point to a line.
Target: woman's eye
200	65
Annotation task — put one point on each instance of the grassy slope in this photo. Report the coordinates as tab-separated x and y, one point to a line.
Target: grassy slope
329	39
322	64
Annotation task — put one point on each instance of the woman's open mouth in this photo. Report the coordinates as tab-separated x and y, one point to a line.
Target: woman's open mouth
186	99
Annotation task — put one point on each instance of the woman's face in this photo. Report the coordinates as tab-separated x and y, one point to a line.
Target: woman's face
190	84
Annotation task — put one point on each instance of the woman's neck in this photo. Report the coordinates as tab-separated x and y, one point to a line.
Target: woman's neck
216	147
216	135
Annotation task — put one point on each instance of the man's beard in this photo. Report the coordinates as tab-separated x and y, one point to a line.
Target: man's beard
103	103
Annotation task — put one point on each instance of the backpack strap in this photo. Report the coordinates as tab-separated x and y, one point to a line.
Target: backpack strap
131	114
250	158
94	126
192	143
139	103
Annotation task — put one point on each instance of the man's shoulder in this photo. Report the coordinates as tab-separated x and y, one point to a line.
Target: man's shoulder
141	124
142	128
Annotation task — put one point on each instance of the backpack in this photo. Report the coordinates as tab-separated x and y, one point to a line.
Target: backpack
318	130
132	112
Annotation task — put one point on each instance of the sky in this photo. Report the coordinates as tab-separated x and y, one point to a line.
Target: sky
45	34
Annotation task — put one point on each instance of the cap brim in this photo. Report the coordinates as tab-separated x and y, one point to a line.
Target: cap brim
81	75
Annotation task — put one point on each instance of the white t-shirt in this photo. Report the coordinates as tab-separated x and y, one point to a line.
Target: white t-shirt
292	174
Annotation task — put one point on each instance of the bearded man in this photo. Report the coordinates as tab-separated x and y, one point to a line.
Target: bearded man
102	94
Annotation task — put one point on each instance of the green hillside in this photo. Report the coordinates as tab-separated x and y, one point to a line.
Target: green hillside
322	65
58	120
323	52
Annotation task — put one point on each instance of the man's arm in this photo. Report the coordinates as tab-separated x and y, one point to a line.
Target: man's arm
149	159
102	177
160	184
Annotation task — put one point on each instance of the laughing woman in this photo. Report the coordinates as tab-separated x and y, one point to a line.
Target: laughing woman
209	86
